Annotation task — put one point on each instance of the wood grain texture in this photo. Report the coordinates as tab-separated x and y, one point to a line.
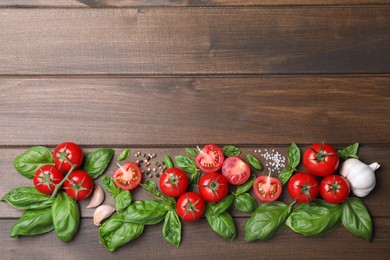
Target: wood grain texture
177	41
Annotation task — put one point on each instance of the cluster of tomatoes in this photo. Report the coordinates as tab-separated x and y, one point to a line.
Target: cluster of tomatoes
67	157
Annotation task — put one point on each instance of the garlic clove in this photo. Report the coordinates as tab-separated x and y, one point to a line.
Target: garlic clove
101	213
97	197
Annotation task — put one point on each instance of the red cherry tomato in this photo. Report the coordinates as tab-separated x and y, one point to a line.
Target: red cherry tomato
236	170
79	185
128	176
303	187
173	182
66	154
190	206
321	159
213	187
46	177
210	159
334	189
267	188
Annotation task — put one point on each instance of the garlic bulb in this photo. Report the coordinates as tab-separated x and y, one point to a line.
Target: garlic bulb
360	176
101	213
97	197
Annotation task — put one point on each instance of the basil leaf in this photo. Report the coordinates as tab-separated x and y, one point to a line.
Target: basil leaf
172	228
267	220
356	218
33	222
245	187
168	161
152	189
293	155
27	198
191	152
224	204
317	218
66	217
349	152
96	161
189	166
109	185
285	174
222	224
28	162
124	155
254	162
146	212
245	203
115	232
230	150
123	200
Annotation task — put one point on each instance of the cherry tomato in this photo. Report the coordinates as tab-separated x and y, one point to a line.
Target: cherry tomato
236	170
267	188
303	187
210	159
321	159
173	182
46	177
190	206
79	185
334	189
213	187
66	154
128	176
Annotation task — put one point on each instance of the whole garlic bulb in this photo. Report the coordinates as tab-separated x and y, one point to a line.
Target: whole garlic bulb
360	176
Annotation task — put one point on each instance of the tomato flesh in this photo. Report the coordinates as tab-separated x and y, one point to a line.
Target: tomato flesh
236	170
128	176
267	188
210	158
321	159
303	187
334	189
46	177
79	185
66	154
173	182
213	187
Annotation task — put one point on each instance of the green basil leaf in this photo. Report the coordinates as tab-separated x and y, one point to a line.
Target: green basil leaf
189	166
109	185
146	212
245	187
245	203
28	162
267	220
33	222
317	218
254	162
66	217
285	174
222	224
115	232
349	152
224	204
356	218
96	161
124	155
172	228
168	161
123	200
230	150
27	198
191	152
293	155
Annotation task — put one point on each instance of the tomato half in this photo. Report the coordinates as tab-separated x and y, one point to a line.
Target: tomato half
334	189
303	187
173	182
79	185
128	176
267	188
213	187
190	206
236	170
210	158
46	177
66	154
321	159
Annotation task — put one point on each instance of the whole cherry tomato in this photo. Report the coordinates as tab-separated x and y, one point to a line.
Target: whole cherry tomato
46	177
303	187
190	206
79	185
210	158
213	187
334	189
173	182
66	154
321	159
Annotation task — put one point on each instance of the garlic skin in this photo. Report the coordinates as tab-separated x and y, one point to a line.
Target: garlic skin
97	197
101	213
360	176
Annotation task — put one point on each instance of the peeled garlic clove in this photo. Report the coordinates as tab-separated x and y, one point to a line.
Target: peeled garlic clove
97	197
102	212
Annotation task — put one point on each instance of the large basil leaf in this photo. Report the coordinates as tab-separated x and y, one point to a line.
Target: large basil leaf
222	224
96	161
349	152
146	212
172	228
28	162
356	218
189	166
245	203
109	185
267	220
230	150
66	217
123	200
224	204
33	222
27	198
317	218
115	232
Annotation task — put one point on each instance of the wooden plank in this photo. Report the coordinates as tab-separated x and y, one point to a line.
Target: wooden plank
160	111
177	41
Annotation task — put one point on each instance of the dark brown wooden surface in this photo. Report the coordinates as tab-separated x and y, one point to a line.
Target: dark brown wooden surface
158	76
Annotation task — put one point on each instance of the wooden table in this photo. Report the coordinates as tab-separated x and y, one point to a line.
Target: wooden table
158	76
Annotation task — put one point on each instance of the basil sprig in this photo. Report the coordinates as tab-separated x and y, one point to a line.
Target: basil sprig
349	152
356	218
28	162
293	157
123	198
243	201
96	161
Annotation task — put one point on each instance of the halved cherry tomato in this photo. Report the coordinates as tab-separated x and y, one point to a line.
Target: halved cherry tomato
66	154
267	188
236	170
210	159
128	176
321	159
334	189
303	187
190	206
213	187
79	185
46	177
173	182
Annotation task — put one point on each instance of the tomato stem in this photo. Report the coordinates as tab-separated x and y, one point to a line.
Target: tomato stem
59	185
